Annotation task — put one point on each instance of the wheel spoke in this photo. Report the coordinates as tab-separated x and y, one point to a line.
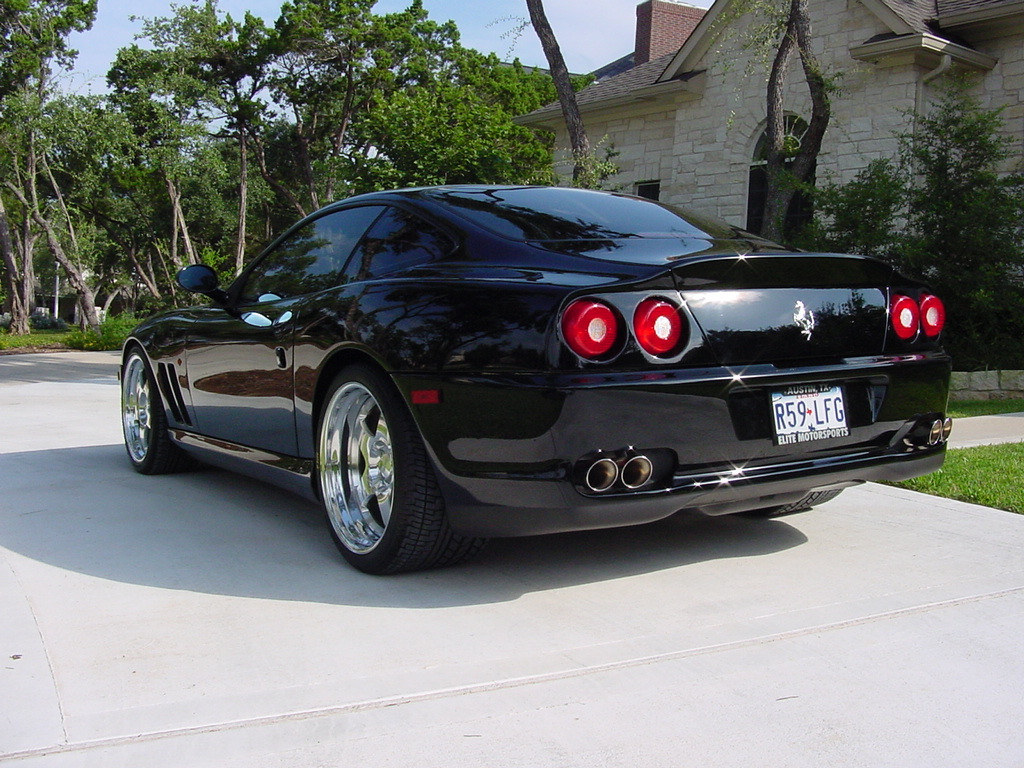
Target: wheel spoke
356	466
136	409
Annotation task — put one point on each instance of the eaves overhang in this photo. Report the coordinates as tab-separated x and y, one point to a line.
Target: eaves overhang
983	23
692	52
982	15
923	49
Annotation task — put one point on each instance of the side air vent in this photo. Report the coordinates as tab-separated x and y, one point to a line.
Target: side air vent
171	390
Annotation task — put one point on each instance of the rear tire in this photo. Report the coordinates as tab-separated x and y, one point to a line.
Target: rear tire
812	499
379	492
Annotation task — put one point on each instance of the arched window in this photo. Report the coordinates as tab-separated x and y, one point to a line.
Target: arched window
800	211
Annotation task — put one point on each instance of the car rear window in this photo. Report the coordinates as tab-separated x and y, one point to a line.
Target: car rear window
550	213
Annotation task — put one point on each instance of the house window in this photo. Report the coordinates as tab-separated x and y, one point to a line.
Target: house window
800	211
649	189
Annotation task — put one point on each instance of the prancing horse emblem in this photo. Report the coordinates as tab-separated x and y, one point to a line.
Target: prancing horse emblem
804	318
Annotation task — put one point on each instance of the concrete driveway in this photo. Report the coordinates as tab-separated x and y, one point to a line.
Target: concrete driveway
206	620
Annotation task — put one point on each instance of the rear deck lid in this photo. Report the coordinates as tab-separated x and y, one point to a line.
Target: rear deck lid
787	307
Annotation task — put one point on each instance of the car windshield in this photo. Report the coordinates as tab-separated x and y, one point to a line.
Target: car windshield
551	213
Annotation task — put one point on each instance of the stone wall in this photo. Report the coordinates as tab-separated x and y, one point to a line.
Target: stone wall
986	385
1003	88
717	134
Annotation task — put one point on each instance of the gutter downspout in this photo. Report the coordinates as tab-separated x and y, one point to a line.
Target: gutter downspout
945	64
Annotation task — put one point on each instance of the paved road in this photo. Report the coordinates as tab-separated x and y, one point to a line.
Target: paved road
987	430
205	620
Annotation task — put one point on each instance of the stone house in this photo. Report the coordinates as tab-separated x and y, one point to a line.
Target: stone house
686	112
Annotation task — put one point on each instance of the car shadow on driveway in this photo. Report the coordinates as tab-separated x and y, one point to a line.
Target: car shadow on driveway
85	510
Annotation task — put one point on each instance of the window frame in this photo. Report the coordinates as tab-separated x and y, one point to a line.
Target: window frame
441	227
237	287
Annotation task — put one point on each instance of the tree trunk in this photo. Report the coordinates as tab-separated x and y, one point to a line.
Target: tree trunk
272	181
12	277
783	181
167	273
776	200
179	221
563	85
145	275
306	161
243	199
75	276
110	300
821	106
27	244
86	298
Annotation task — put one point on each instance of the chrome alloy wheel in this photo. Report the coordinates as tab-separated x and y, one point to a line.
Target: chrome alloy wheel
357	468
136	409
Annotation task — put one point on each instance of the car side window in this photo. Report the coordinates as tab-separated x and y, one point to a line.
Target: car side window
397	240
311	259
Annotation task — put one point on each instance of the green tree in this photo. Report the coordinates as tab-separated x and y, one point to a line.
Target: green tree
458	129
205	69
42	196
161	97
335	62
33	39
965	227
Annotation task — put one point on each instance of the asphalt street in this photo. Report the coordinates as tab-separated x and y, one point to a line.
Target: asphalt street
203	619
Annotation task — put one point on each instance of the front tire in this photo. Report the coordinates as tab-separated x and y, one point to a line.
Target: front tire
383	504
144	422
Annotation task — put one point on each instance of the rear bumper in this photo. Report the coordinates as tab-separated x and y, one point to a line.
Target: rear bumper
507	450
498	507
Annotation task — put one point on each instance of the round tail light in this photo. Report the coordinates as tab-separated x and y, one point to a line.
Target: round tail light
590	328
933	315
658	326
905	316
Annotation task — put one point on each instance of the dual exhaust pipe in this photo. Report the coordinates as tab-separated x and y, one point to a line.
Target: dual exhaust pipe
929	432
632	470
939	432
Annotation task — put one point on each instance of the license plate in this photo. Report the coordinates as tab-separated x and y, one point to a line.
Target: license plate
805	413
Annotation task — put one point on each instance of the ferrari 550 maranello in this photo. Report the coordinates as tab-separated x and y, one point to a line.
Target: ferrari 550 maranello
438	366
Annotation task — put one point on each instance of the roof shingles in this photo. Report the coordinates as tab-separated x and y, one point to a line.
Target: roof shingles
926	15
919	14
613	87
949	7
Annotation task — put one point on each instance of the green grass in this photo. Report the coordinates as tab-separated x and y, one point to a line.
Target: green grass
989	475
35	340
960	409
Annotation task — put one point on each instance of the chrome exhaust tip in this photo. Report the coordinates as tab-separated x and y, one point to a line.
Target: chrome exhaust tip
947	427
601	475
636	472
935	433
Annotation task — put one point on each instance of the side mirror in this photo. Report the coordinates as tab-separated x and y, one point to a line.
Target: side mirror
200	278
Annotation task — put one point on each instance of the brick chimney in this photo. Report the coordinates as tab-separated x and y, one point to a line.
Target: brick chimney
662	26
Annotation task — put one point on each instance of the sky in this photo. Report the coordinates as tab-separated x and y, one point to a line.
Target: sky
590	32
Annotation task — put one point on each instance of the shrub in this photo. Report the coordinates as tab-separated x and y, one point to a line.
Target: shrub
111	335
47	323
859	216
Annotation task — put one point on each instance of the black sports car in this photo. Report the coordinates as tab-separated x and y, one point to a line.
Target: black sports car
447	364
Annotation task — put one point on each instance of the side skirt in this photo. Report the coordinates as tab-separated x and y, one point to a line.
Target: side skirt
287	472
